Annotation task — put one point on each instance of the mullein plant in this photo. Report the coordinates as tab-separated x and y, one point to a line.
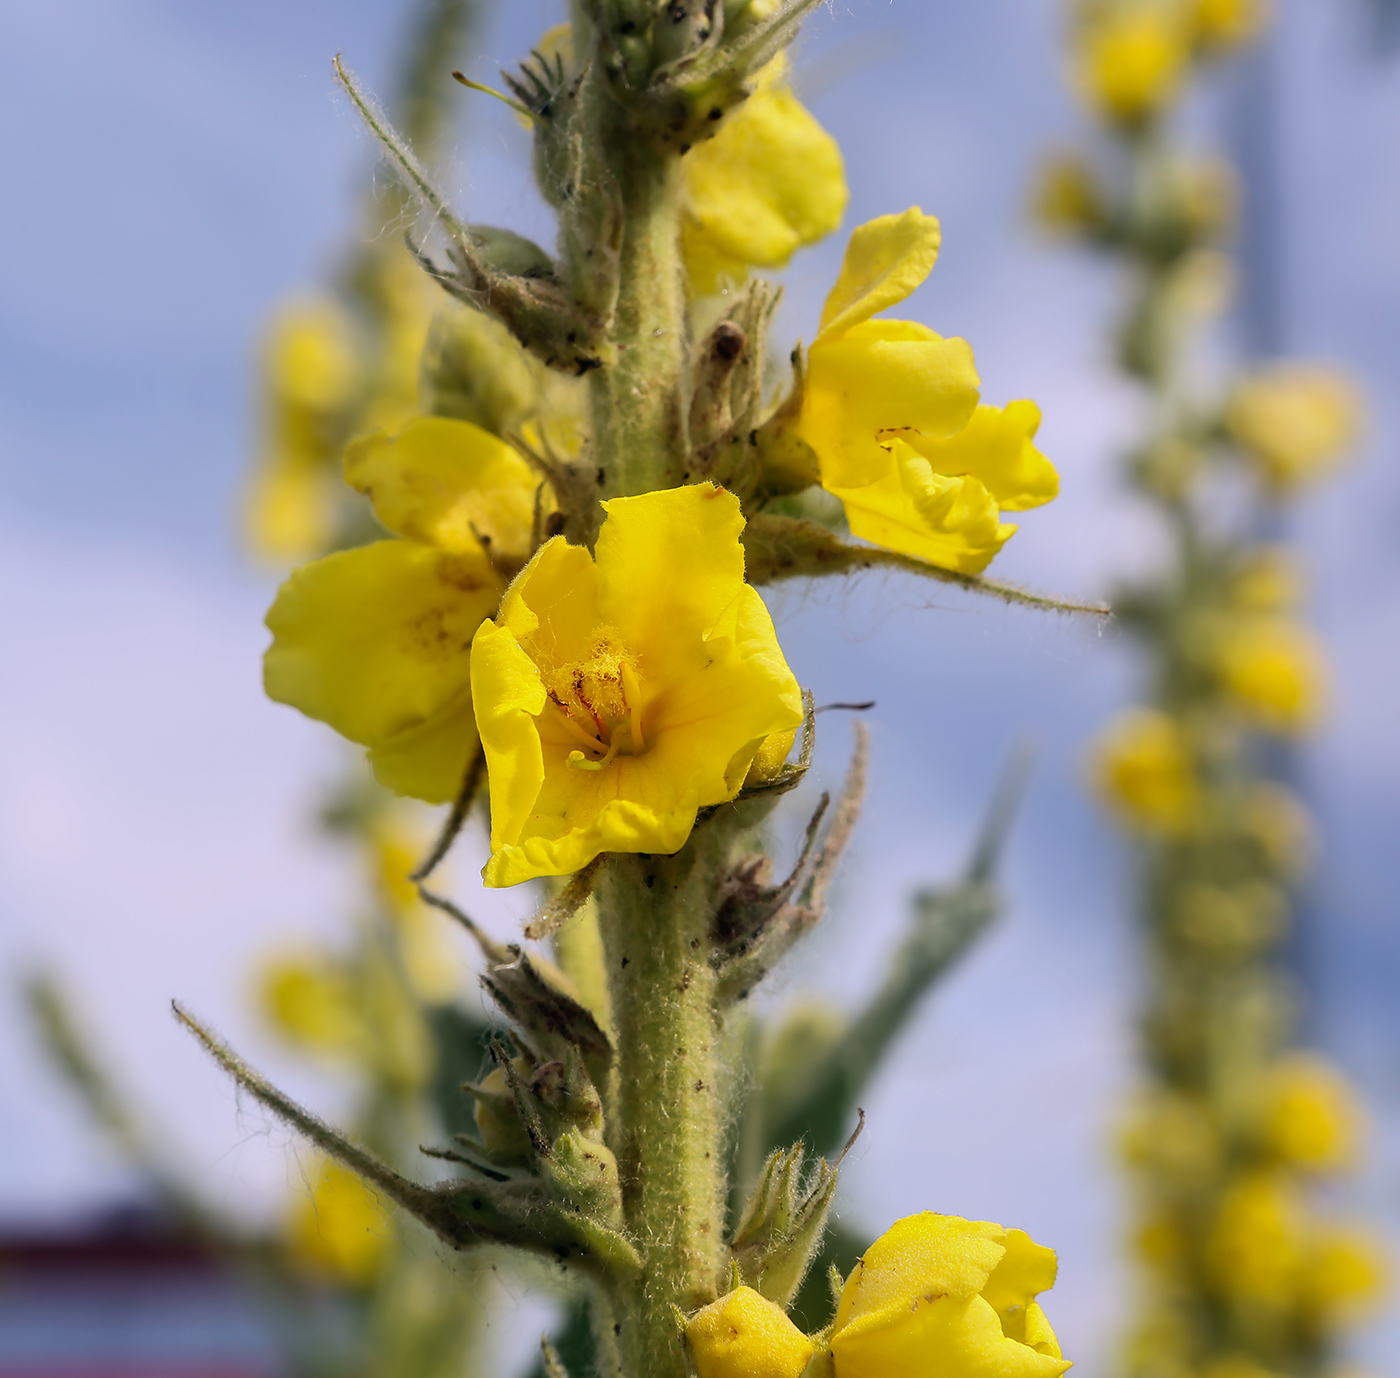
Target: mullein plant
1237	1130
557	613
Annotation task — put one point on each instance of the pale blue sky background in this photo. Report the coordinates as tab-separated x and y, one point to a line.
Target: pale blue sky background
175	166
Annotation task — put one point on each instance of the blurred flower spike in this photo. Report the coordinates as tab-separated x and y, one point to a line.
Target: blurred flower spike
613	705
891	411
937	1296
376	641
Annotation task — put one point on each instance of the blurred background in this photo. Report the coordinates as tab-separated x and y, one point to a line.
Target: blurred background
178	167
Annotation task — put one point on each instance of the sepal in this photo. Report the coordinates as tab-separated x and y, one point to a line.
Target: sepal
781	1229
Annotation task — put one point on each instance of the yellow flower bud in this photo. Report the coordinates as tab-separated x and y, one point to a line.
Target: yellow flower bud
311	1004
937	1296
744	1335
771	757
1143	770
1310	1117
1274	670
1132	61
1270	581
1295	422
1278	822
340	1227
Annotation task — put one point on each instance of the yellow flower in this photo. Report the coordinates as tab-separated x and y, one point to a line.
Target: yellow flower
1310	1115
376	641
310	1003
1143	769
1274	670
744	1335
890	408
937	1296
1222	24
770	182
1296	422
340	1227
1131	61
1348	1273
617	697
310	376
1259	1243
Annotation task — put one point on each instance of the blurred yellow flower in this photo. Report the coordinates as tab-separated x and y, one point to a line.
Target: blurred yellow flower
1259	1243
1273	668
891	410
1310	1116
1131	60
937	1296
309	377
1218	25
770	182
613	705
744	1335
1296	422
376	641
1142	768
1269	581
1347	1275
428	960
1067	199
311	1003
339	1227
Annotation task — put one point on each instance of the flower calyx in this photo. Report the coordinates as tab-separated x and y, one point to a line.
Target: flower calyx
782	1225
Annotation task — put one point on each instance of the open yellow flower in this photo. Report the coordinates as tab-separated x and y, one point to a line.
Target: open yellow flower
744	1335
770	182
1142	769
376	641
617	697
1296	422
891	410
937	1296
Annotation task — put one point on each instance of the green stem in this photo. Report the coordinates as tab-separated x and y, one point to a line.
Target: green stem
638	410
665	1122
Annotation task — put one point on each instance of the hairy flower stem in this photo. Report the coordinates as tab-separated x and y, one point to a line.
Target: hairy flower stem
665	1123
638	406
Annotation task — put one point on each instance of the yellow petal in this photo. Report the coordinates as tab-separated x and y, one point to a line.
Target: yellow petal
744	1335
886	259
918	1255
769	182
376	640
692	534
950	522
446	483
995	447
429	760
508	696
882	376
936	1336
1037	1332
1025	1270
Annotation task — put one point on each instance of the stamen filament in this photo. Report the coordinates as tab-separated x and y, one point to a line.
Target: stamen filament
592	743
